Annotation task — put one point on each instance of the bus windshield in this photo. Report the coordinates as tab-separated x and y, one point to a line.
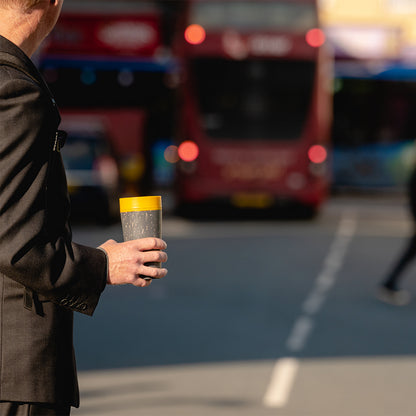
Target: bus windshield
287	16
253	100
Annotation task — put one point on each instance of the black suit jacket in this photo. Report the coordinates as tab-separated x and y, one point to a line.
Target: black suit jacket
44	276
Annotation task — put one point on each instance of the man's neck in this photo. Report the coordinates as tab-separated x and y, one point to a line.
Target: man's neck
20	29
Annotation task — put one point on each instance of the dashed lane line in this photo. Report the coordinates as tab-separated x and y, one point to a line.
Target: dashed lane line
285	369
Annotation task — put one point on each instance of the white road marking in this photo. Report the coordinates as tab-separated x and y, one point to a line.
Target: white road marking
302	328
283	377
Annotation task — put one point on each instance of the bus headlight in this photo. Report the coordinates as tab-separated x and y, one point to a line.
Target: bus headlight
188	151
318	156
195	34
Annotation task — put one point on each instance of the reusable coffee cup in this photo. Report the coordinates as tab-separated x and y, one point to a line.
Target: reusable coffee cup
141	217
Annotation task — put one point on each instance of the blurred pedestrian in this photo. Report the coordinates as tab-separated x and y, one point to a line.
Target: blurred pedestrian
390	290
44	275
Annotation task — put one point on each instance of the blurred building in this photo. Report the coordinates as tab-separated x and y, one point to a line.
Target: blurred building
371	29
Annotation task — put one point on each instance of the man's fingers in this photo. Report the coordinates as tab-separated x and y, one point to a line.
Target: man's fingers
142	282
150	243
153	272
131	260
154	256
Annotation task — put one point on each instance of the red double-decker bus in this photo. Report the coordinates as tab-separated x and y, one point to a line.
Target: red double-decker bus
256	104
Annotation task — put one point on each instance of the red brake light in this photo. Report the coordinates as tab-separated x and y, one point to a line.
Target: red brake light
188	151
195	34
315	38
317	153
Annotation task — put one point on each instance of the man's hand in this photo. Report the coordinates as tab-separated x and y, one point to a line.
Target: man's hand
126	261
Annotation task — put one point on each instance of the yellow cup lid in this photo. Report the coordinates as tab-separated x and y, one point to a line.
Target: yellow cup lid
141	203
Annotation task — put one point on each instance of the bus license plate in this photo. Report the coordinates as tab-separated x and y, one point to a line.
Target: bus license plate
252	200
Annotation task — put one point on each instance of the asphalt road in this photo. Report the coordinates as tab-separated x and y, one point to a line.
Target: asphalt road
258	318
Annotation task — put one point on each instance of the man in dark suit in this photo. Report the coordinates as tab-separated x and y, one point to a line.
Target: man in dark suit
44	275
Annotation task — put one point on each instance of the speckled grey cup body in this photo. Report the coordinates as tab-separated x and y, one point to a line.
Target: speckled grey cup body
142	224
138	221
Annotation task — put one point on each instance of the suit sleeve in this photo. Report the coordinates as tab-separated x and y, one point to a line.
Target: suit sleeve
36	247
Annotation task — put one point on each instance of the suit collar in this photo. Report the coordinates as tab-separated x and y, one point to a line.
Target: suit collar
11	53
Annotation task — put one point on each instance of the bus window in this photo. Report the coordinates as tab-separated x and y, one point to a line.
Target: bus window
255	15
373	111
253	99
